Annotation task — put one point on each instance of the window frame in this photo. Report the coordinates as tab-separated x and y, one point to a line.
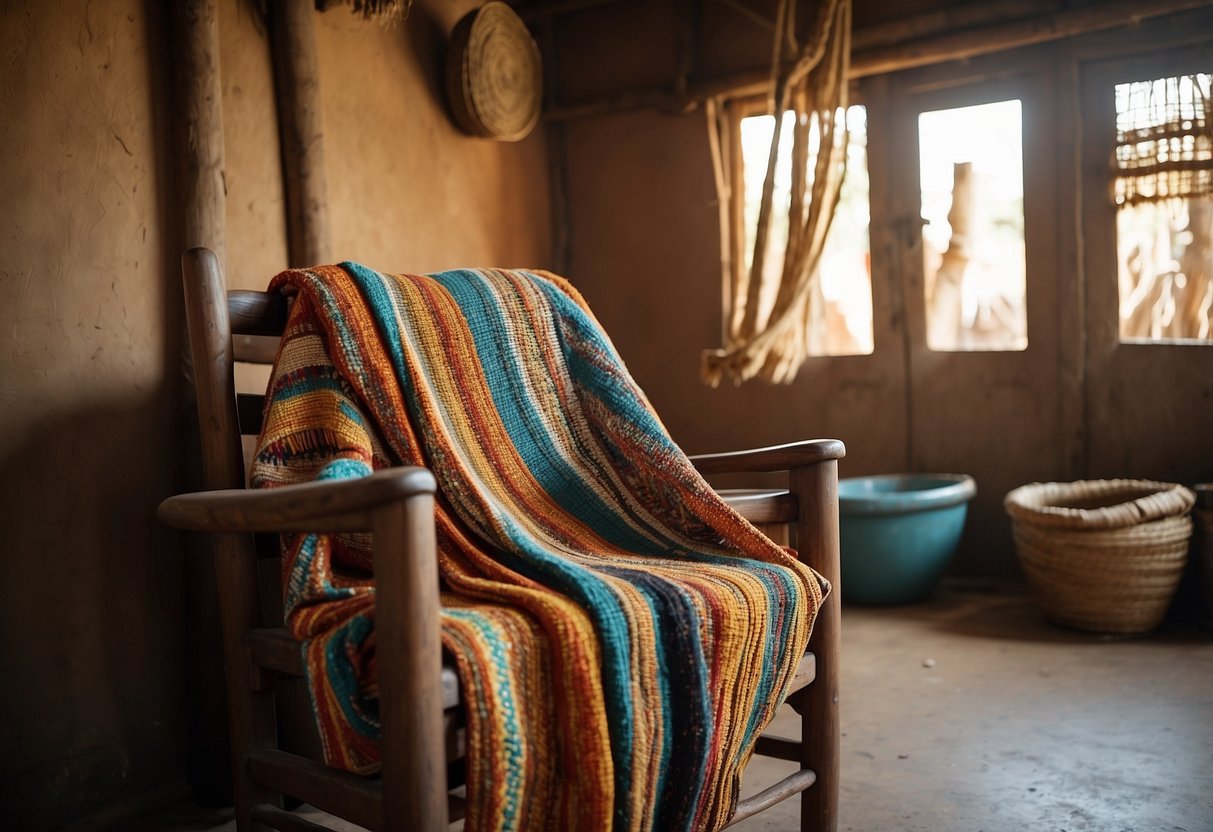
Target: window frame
1098	213
1010	77
1097	134
1022	147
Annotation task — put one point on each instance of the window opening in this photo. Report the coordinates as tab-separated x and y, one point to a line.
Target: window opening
971	186
845	323
1163	187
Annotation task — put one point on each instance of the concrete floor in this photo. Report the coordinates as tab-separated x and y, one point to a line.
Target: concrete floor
971	714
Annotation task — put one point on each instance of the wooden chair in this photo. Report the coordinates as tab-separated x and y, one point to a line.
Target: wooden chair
420	699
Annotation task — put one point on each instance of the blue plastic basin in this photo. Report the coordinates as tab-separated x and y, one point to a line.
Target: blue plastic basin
898	533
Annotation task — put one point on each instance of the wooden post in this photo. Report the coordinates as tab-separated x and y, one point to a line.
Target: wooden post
197	130
297	84
198	117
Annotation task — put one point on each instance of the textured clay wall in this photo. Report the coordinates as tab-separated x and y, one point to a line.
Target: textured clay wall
408	191
92	699
255	217
90	585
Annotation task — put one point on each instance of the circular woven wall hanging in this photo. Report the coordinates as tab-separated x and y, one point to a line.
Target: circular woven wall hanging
493	75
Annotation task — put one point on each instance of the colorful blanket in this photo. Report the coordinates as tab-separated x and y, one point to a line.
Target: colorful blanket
621	635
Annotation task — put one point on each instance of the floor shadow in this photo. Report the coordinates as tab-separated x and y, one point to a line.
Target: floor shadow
1007	612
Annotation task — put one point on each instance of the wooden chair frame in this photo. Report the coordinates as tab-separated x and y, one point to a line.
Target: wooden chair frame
418	697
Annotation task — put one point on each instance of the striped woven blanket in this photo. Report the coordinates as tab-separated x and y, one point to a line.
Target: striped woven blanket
621	635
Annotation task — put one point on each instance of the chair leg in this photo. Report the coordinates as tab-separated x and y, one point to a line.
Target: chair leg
251	713
407	614
816	489
820	735
246	792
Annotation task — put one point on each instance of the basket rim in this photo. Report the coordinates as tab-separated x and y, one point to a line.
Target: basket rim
1034	503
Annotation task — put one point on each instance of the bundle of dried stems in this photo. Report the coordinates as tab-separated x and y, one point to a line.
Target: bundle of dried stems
773	344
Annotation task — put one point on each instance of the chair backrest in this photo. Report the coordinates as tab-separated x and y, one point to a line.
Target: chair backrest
226	329
257	320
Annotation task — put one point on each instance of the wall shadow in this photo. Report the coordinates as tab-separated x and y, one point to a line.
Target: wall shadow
91	602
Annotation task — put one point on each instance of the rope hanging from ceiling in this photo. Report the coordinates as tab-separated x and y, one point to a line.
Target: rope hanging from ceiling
765	339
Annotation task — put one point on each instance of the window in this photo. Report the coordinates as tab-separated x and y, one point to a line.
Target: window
846	272
971	186
1163	187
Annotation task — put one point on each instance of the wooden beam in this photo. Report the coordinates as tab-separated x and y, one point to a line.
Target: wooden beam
200	195
691	12
198	118
548	9
301	133
949	19
749	14
940	46
657	98
954	46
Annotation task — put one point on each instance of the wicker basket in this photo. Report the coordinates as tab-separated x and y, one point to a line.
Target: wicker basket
1102	555
494	74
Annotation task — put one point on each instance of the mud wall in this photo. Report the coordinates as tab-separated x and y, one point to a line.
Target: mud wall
92	699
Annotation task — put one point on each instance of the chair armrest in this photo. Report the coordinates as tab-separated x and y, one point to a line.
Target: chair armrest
775	458
322	506
761	505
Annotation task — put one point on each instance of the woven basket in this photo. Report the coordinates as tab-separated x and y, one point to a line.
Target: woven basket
494	74
1102	555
